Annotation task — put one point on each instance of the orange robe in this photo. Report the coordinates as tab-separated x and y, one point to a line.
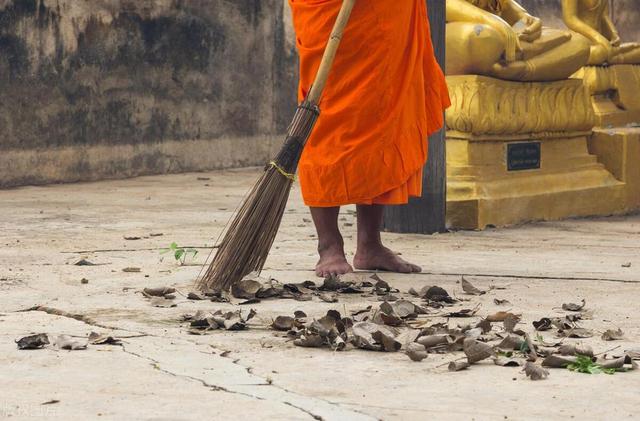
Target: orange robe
385	95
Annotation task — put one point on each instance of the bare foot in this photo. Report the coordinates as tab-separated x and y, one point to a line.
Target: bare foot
381	258
332	262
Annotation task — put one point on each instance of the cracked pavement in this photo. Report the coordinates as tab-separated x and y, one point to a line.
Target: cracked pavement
161	372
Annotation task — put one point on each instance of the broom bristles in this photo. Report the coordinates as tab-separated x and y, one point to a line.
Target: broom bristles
246	244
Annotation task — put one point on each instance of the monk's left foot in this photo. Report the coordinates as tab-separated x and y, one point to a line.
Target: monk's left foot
381	258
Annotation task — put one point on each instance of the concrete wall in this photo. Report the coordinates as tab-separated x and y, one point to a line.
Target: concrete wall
625	14
115	88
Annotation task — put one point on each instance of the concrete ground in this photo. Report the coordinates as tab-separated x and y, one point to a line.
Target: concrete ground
163	373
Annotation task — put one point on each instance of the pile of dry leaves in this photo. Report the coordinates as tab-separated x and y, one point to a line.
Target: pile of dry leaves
398	324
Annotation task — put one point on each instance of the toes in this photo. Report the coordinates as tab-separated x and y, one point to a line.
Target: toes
405	268
415	268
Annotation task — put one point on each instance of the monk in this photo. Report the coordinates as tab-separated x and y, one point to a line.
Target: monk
385	95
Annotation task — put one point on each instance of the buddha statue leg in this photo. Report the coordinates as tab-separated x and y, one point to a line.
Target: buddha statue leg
598	55
559	62
472	48
629	54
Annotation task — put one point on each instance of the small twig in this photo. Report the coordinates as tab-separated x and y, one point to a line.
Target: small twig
608	350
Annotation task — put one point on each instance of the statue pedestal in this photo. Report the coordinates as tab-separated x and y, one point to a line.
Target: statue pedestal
619	150
614	93
517	152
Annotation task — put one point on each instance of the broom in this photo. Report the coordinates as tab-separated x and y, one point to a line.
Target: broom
249	237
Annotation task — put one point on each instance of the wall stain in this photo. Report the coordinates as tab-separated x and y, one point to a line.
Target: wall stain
125	72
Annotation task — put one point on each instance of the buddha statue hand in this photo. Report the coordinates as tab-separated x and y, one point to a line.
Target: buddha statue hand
532	28
615	40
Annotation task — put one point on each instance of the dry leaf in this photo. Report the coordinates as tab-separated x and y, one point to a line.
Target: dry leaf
195	296
535	372
158	292
367	335
416	352
299	314
613	335
204	322
161	302
246	288
437	294
577	332
458	365
328	297
485	325
633	353
406	309
33	341
470	289
465	312
131	237
499	302
531	348
389	343
510	323
390	319
96	338
573	306
511	343
131	270
50	402
430	341
575	349
501	316
283	323
615	363
558	361
476	350
84	262
67	342
309	341
543	324
509	362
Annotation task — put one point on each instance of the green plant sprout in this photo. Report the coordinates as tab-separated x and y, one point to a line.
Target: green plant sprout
180	253
584	364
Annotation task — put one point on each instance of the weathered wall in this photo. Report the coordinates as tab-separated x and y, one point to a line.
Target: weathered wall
625	14
112	88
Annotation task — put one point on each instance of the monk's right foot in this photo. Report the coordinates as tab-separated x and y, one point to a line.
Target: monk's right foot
332	262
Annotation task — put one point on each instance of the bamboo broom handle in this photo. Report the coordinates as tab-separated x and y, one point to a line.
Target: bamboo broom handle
330	52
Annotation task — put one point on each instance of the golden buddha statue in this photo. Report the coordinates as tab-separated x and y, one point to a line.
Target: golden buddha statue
591	19
499	38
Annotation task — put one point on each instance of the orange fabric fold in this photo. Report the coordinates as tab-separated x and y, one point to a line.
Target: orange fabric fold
385	94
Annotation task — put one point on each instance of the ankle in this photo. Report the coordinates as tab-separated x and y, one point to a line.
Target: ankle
369	247
334	244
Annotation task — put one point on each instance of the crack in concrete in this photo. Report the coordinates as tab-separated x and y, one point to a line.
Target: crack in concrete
269	381
487	275
156	365
80	318
224	354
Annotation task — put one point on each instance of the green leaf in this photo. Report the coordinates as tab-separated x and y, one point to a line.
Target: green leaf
178	254
173	246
